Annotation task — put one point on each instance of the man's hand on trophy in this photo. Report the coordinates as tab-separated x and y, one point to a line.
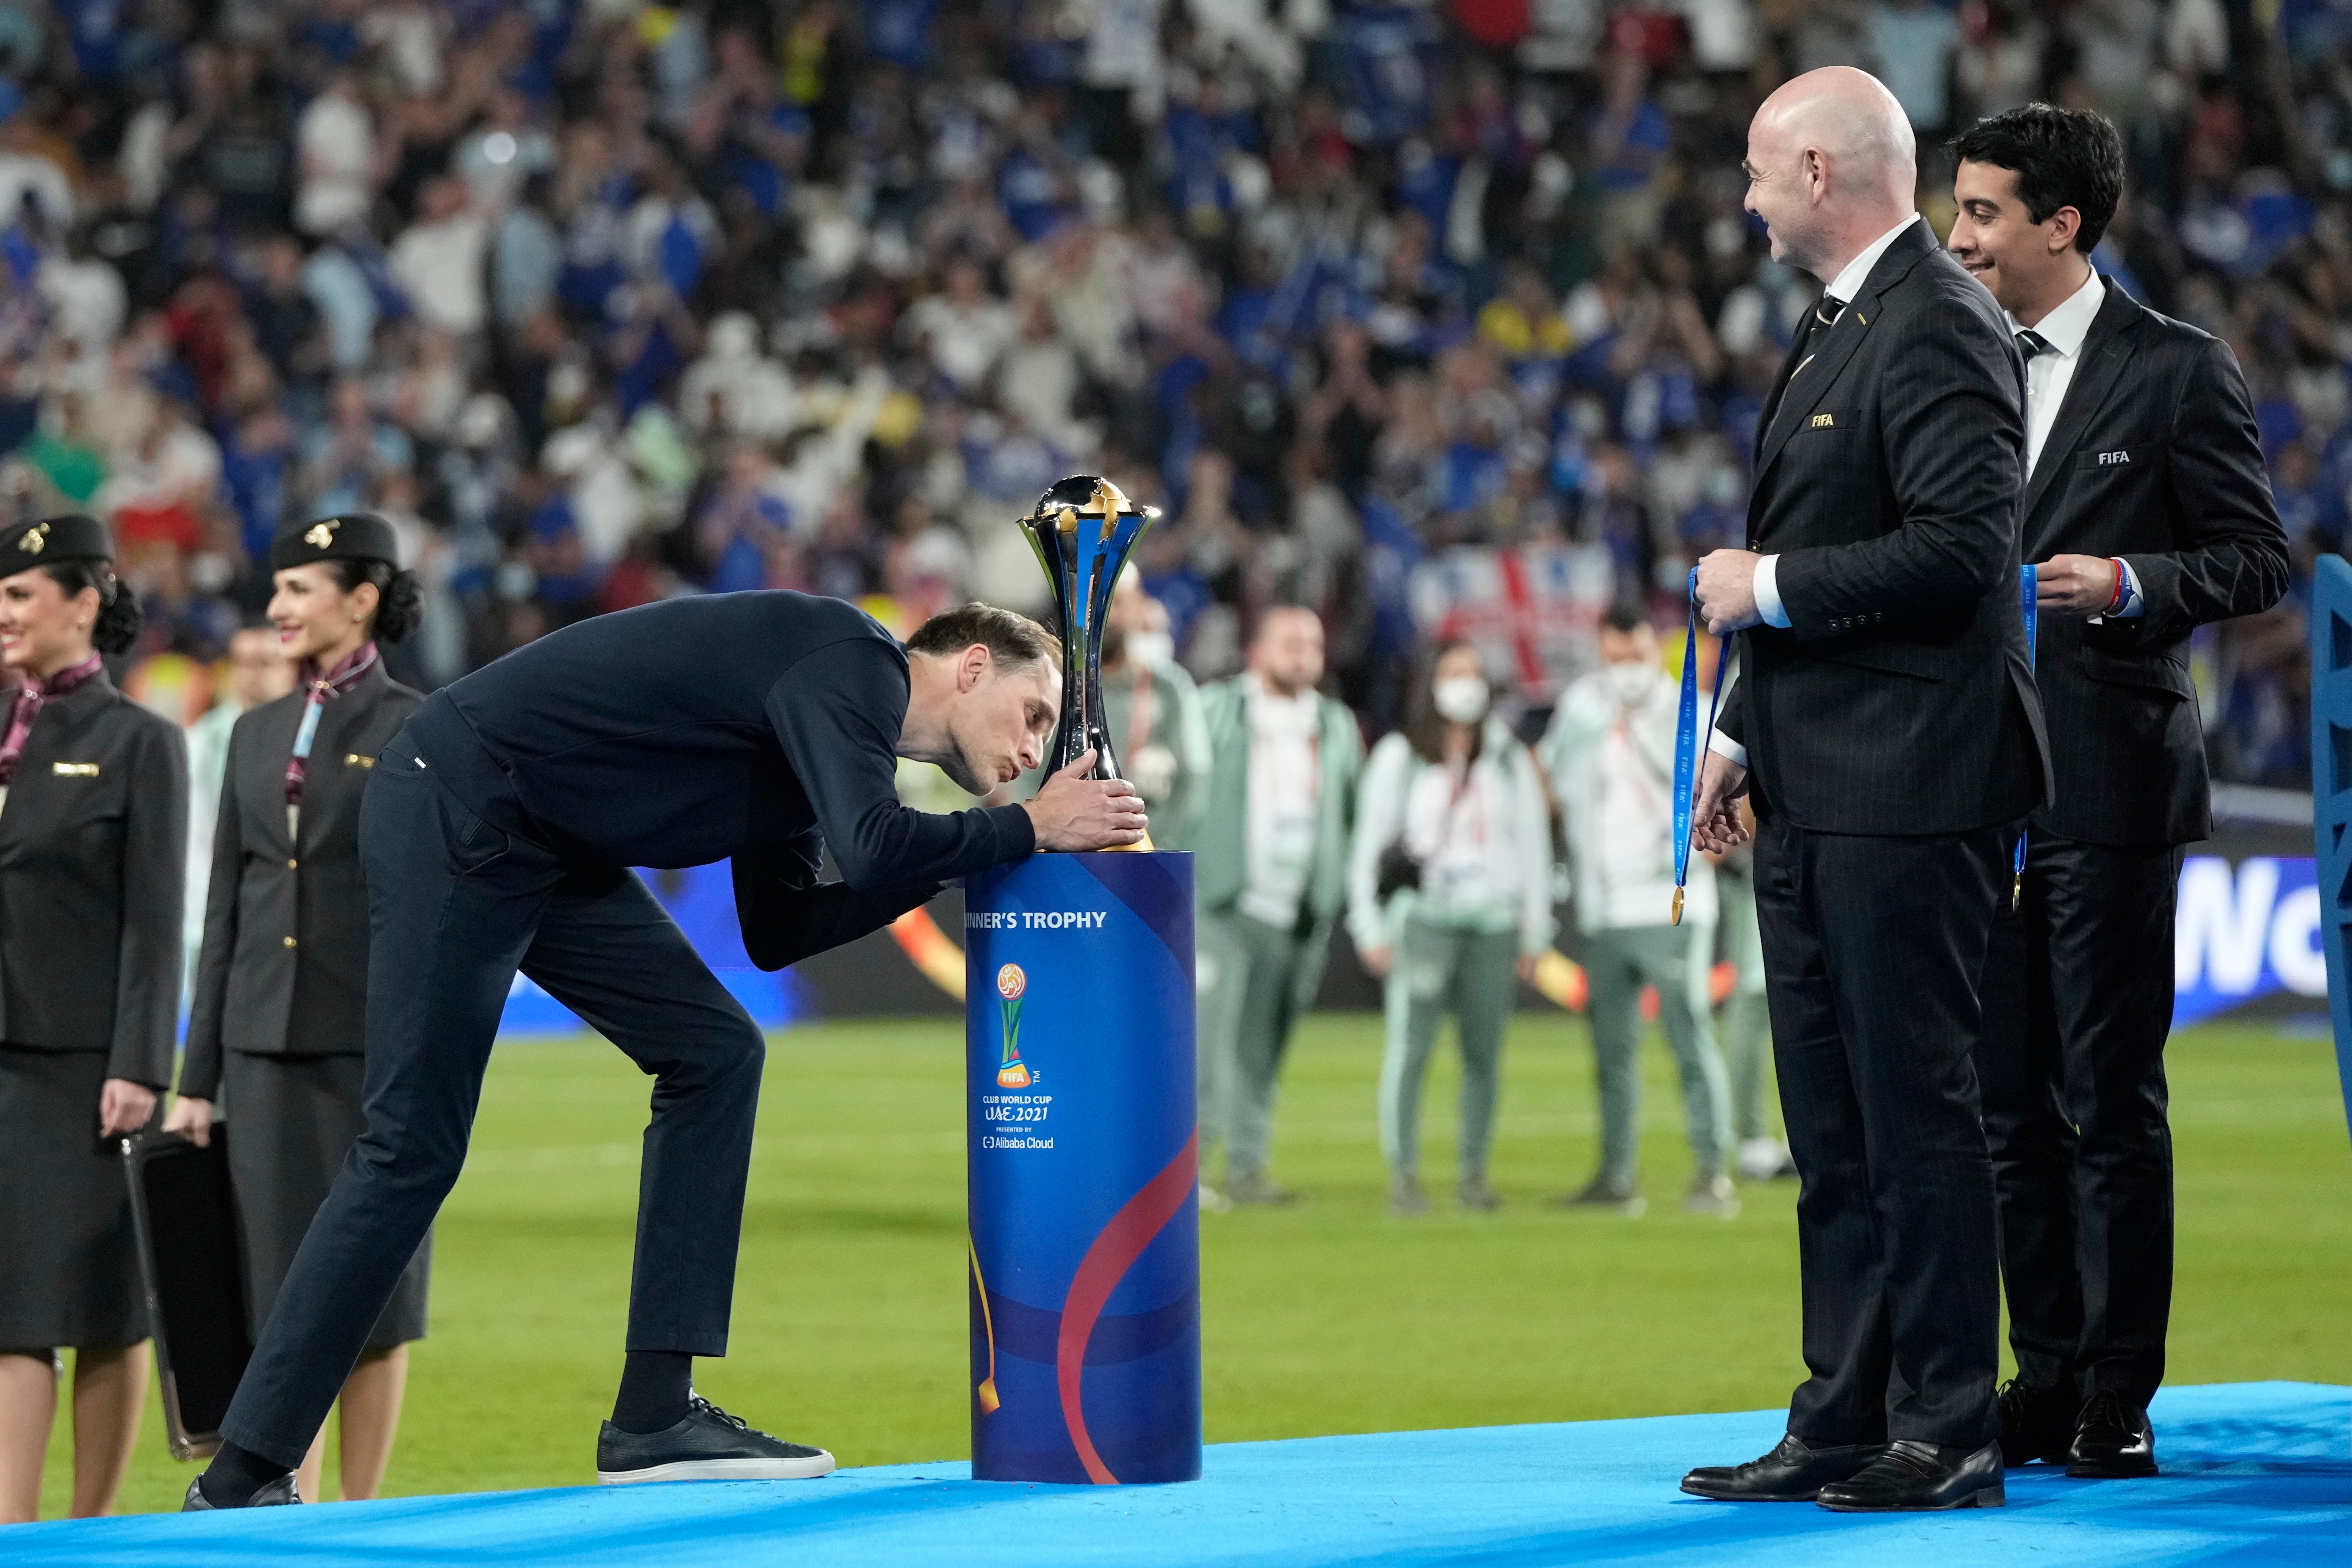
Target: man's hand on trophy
1715	824
1075	812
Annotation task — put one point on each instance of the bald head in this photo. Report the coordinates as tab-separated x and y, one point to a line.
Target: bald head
1831	165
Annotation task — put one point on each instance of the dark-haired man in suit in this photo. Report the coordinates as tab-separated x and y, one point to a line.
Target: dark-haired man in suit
1886	721
2146	512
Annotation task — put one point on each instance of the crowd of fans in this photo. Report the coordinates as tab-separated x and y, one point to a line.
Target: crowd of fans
602	301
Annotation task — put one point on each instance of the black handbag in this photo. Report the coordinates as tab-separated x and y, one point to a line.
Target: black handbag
192	1266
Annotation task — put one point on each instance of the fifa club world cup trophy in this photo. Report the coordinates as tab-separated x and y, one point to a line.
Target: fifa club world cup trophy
1082	1145
1083	530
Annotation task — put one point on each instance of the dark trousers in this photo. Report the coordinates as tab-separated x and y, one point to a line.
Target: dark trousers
456	906
2078	1001
1873	949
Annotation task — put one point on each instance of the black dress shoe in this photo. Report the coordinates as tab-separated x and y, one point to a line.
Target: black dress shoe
2037	1422
707	1446
1921	1477
270	1495
2112	1442
1793	1472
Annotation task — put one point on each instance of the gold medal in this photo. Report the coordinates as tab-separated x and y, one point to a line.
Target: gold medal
1678	918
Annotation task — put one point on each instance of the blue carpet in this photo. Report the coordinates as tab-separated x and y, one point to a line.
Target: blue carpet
2254	1473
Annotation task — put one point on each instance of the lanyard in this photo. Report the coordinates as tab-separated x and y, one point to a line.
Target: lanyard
1689	746
2025	594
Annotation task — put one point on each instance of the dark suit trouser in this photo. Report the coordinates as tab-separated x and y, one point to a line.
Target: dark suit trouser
1873	949
2078	1001
457	907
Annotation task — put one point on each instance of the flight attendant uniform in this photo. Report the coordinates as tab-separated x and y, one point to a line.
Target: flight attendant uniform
277	1029
93	834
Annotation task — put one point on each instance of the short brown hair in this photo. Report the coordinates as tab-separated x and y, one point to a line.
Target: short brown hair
1010	639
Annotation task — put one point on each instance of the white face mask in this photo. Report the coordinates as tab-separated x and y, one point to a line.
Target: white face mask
1155	648
1462	698
1631	682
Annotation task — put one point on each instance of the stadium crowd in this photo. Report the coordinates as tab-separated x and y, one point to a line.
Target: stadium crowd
1443	320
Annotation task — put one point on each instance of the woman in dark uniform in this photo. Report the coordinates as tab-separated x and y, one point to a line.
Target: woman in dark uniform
276	1024
93	834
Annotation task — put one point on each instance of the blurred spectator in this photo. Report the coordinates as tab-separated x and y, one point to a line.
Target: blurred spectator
1449	900
437	260
256	673
1271	878
1610	755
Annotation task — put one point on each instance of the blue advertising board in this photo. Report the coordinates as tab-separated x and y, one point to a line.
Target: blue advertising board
1083	1162
2244	931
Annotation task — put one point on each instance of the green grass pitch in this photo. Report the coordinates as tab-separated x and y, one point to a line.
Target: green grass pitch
1332	1317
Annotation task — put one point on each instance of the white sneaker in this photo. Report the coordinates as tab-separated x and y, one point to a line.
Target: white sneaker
1764	1159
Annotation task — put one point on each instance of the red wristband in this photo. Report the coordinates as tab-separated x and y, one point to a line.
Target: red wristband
2116	603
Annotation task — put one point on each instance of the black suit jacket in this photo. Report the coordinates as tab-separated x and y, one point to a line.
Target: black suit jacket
284	965
2154	458
93	851
1898	700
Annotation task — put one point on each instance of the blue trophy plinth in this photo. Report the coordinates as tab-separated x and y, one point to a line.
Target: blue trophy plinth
1083	1159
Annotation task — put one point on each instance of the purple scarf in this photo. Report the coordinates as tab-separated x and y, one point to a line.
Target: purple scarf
31	698
324	689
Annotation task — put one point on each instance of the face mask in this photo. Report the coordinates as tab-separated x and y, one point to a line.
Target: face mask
1460	699
1155	648
1631	682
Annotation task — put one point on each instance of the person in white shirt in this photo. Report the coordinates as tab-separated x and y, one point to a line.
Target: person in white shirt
1270	878
440	260
335	140
1611	754
1449	900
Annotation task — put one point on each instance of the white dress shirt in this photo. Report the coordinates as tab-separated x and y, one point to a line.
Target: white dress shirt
1844	287
2066	327
2049	373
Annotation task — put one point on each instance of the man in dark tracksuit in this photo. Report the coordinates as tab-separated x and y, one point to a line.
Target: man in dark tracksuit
497	833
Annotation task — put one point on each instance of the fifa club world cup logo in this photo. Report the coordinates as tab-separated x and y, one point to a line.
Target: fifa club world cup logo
1010	984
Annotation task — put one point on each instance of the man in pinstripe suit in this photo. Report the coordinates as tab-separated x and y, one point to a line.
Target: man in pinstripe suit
1888	728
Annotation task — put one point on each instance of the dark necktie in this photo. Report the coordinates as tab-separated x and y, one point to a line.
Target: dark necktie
1820	319
2031	343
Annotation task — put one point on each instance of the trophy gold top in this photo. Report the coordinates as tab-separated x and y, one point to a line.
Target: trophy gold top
1087	496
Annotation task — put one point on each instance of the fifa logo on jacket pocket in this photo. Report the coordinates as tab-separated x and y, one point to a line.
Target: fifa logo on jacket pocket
2106	458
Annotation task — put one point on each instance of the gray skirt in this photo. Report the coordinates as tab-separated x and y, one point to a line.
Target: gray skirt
291	1121
68	1258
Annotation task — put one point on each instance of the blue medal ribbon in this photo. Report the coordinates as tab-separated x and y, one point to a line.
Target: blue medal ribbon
2025	594
1689	745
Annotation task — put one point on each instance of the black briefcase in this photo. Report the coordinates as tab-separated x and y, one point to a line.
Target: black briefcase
195	1273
